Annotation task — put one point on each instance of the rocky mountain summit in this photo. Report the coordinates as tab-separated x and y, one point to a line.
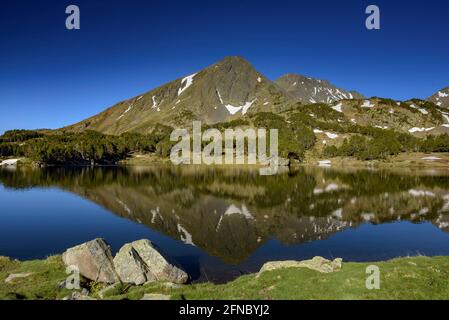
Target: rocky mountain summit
233	89
441	98
308	90
229	89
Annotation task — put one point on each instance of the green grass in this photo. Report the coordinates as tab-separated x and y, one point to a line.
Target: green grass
405	278
42	284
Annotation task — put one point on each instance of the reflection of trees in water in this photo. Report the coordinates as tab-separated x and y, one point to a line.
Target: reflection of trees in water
230	213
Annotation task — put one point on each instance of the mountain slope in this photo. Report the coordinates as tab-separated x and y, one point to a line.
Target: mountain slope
441	98
308	90
222	92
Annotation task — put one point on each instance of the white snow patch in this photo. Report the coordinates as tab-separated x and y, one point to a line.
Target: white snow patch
431	158
139	98
154	102
186	83
367	104
266	103
413	130
127	209
317	131
445	115
126	111
233	110
423	111
232	209
219	96
259	79
442	94
338	107
331	135
186	237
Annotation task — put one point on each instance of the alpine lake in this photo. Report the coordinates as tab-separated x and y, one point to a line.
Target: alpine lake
220	223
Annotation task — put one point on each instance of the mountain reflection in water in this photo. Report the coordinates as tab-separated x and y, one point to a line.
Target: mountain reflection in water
239	219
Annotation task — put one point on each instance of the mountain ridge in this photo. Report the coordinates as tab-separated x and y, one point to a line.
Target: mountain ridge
221	92
233	89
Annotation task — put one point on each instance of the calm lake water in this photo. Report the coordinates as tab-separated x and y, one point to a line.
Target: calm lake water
218	224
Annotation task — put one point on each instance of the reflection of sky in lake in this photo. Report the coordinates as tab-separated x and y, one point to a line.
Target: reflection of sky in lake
38	222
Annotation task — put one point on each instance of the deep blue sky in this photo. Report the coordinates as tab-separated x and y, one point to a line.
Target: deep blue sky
51	77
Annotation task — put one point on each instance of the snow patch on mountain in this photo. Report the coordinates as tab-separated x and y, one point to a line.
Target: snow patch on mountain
186	83
219	96
126	111
154	102
415	129
244	108
331	135
423	111
367	104
338	107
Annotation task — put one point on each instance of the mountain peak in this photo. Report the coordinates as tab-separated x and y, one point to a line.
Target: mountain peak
234	63
310	90
441	98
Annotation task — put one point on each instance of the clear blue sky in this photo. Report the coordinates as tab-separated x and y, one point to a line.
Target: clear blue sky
51	77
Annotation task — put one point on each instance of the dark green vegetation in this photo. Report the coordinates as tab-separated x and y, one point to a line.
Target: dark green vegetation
386	143
417	278
88	147
295	127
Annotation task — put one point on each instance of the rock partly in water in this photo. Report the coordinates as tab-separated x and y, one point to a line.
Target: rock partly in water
9	162
319	264
155	296
94	261
155	266
130	267
14	276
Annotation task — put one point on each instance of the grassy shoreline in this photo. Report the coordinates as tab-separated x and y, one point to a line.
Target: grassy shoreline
404	160
418	278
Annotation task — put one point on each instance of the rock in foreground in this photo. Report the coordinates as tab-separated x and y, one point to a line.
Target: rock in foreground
141	261
130	267
319	264
94	261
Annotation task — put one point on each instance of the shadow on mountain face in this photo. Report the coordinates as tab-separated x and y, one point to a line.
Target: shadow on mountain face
231	213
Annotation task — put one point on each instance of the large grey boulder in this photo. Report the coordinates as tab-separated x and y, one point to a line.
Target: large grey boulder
94	261
141	261
319	264
130	267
